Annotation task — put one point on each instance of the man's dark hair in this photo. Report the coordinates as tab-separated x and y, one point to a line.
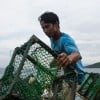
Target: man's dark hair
49	17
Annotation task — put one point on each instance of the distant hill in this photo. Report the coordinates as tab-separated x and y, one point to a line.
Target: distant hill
95	65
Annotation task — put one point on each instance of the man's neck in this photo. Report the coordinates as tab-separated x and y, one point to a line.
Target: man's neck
57	35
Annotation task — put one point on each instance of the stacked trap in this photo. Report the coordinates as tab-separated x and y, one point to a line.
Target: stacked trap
90	88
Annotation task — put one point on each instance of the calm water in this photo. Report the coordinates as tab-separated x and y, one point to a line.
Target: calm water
94	70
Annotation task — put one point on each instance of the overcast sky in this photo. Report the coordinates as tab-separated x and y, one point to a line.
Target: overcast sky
79	18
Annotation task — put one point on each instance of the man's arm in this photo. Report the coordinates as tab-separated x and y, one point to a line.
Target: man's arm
64	60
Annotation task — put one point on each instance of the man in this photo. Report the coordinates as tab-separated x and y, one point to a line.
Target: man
63	44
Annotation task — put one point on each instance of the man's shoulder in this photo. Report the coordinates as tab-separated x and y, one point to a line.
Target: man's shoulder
66	36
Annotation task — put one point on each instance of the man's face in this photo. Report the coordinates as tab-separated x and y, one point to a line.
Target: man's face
49	29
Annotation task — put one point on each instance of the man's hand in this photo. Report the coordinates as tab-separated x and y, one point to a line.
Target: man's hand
63	60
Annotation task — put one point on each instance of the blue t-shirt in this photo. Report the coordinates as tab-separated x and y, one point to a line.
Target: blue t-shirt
66	44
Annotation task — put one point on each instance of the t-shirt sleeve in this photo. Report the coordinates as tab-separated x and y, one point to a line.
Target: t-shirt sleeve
69	45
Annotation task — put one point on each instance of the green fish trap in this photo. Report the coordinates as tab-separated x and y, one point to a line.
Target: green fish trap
32	69
91	86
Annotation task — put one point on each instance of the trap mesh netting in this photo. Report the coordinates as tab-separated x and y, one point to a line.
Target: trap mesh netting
31	70
91	86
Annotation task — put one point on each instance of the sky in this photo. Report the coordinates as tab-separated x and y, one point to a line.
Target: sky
79	18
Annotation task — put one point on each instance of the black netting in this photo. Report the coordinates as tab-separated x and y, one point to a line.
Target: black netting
30	71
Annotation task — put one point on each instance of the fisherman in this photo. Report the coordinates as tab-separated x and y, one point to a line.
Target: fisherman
63	44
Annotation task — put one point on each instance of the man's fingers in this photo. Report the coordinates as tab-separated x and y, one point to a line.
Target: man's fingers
62	60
